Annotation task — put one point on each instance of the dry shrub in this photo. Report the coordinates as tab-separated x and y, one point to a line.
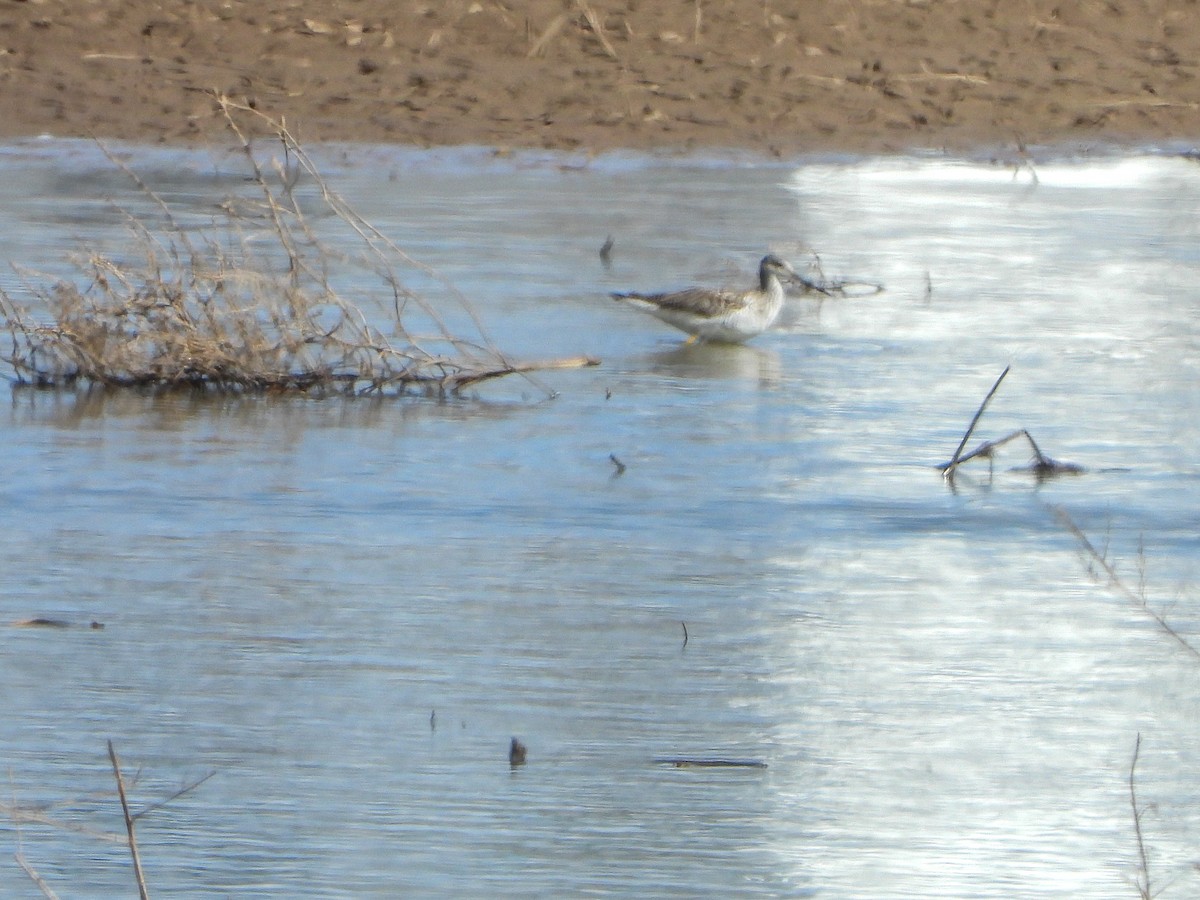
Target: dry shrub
226	311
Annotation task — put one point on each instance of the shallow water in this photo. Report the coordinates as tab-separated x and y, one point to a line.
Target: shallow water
346	609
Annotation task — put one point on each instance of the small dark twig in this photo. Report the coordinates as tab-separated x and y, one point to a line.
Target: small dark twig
516	753
987	448
948	469
1142	881
129	829
685	634
1026	161
834	287
187	788
1042	466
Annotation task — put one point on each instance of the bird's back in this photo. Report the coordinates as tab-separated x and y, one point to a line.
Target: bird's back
700	302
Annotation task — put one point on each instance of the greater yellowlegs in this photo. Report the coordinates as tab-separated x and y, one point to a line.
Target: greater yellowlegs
727	316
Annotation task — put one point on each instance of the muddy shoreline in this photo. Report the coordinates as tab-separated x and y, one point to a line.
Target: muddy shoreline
858	76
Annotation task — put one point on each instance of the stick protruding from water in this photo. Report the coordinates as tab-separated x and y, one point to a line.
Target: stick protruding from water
950	466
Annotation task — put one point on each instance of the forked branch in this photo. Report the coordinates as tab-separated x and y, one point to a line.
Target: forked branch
129	827
1043	466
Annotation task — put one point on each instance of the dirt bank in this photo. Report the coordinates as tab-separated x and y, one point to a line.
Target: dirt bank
775	77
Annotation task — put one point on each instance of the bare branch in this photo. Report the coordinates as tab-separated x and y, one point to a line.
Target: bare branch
34	876
186	789
948	469
215	312
1142	881
1116	583
133	847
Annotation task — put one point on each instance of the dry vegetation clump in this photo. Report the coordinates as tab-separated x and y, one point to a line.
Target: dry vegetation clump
226	311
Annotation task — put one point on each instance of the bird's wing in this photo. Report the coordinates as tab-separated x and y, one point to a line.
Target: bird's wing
697	301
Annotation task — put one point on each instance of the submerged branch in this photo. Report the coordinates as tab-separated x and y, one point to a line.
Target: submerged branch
1043	466
1116	583
948	469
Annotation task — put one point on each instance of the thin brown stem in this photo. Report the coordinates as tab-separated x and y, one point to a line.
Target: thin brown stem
129	827
1116	583
1142	881
35	877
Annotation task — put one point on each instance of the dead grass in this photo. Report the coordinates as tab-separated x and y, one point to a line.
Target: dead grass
225	310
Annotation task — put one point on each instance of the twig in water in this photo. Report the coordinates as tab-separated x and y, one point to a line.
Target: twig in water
685	634
1142	881
620	465
19	814
948	469
34	876
1141	565
1114	580
187	788
133	848
1043	466
516	753
835	287
19	856
1026	161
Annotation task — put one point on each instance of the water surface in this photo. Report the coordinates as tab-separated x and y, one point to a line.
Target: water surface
346	609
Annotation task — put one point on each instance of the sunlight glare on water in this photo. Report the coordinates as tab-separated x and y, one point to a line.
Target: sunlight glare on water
346	609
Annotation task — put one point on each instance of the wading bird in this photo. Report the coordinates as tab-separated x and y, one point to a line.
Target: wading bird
726	316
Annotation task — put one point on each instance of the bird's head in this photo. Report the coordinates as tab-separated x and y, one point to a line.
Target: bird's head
772	265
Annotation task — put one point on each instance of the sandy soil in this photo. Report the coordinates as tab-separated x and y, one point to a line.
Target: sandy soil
767	75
